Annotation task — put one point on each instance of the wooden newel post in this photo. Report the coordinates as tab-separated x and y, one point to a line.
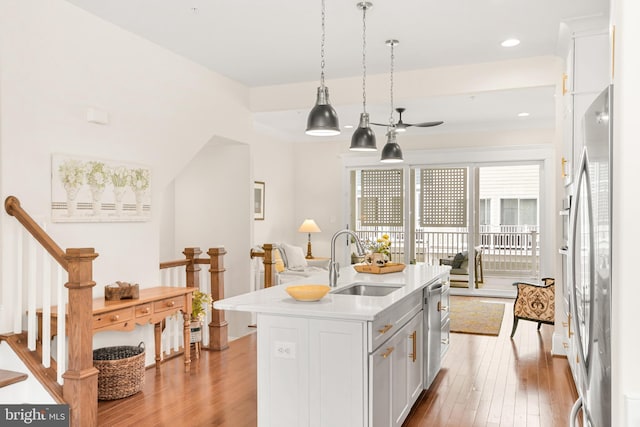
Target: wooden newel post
80	389
218	335
193	269
269	265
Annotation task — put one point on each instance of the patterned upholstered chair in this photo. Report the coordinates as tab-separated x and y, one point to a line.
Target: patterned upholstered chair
535	302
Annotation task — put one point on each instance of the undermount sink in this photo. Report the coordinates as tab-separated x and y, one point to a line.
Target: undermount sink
367	289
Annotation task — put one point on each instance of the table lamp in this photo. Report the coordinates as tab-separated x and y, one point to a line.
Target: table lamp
309	226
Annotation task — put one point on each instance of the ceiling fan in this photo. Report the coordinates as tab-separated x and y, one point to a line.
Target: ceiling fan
402	126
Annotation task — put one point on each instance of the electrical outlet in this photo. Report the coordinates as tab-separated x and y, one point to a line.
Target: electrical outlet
284	350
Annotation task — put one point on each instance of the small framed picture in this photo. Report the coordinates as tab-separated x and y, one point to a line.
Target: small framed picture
258	201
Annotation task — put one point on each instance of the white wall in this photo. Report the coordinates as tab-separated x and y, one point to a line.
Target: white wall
212	208
56	61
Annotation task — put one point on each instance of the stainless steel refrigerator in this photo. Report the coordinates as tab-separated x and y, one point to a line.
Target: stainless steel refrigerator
590	267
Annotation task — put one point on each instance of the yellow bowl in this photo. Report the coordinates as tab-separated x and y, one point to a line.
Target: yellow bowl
308	292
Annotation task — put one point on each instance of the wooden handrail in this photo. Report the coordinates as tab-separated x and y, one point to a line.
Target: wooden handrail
13	208
176	263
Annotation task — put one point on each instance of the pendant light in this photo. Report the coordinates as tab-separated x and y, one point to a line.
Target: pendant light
322	120
364	139
391	152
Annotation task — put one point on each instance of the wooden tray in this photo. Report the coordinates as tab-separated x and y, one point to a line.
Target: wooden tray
390	267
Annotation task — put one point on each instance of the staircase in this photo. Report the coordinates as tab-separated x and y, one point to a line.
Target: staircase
47	276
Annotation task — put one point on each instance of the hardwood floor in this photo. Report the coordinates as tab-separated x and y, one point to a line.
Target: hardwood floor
484	381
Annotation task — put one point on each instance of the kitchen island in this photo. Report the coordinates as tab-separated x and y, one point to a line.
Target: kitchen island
345	360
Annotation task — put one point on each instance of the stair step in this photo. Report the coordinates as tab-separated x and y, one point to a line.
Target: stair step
11	377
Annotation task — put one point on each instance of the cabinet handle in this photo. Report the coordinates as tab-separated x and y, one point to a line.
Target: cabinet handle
442	307
146	310
565	345
564	83
564	165
569	324
115	318
171	303
385	329
388	352
445	341
413	354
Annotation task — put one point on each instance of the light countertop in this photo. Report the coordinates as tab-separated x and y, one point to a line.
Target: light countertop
275	300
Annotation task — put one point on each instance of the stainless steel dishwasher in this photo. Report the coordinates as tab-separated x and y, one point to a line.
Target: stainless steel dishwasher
432	319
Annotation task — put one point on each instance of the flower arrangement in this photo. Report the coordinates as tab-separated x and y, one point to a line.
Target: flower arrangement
378	250
381	245
139	179
72	173
120	176
98	174
199	305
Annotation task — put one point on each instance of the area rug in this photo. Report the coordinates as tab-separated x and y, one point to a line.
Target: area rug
471	315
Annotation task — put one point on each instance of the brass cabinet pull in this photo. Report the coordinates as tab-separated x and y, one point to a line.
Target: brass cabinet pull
385	329
171	303
146	310
564	165
413	354
565	345
564	83
388	352
115	318
442	307
569	324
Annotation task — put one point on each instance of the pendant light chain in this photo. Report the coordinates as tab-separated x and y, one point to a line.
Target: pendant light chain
322	47
391	123
364	62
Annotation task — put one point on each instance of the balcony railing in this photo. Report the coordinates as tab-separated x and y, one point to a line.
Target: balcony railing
507	250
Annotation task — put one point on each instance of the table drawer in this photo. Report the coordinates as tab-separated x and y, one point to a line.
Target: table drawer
112	317
143	310
168	304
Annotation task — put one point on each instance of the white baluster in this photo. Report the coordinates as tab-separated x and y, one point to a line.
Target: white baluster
61	301
46	308
31	294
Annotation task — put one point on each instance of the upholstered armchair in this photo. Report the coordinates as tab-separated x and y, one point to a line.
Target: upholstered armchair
535	302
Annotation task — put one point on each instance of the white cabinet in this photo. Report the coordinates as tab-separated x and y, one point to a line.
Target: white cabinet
587	73
311	372
396	372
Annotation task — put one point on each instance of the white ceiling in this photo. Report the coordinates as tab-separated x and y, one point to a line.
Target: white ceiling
260	43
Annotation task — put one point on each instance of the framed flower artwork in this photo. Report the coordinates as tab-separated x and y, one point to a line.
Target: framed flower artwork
96	190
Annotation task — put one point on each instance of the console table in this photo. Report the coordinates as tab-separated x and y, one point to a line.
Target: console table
153	306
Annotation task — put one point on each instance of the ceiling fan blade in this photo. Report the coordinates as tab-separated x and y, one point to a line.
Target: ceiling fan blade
427	124
379	124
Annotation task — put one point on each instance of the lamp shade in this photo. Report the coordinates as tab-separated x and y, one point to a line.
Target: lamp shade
391	152
363	139
309	226
323	119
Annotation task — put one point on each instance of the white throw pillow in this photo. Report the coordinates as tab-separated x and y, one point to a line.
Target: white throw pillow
295	256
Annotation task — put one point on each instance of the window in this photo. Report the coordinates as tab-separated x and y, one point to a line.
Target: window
518	211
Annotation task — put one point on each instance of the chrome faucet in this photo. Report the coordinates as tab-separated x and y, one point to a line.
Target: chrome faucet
334	267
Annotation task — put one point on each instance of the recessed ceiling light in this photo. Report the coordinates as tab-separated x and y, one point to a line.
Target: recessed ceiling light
523	114
510	43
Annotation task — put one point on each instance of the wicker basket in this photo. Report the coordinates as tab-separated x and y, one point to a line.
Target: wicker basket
121	371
